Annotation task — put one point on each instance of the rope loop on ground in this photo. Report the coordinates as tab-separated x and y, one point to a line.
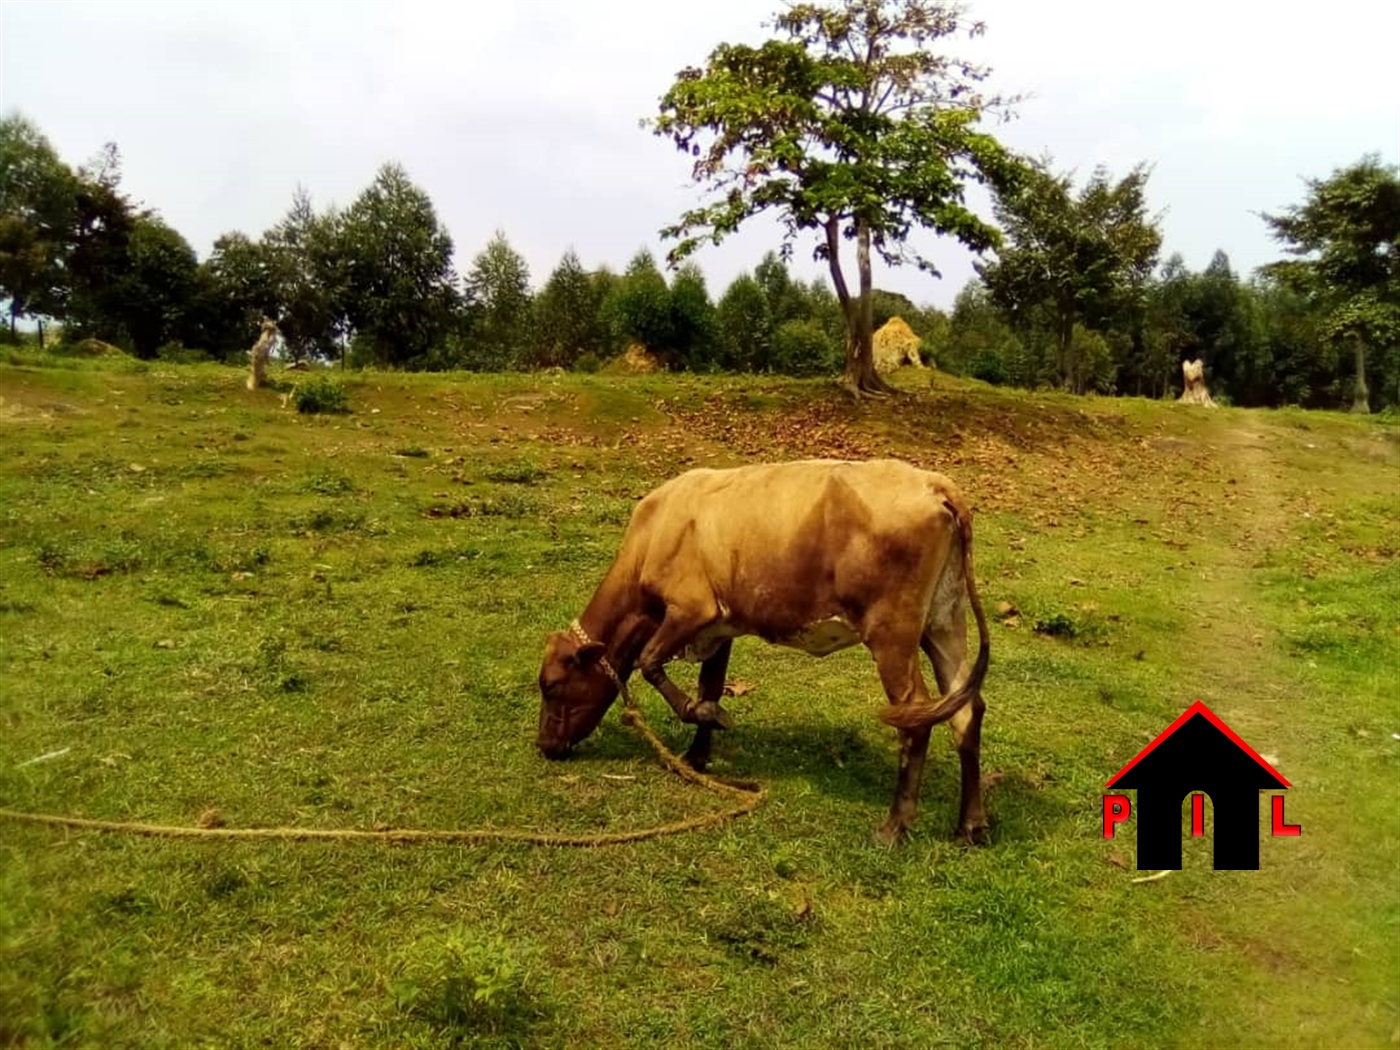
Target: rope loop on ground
747	797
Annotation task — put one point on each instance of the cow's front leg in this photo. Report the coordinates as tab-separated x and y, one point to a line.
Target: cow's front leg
675	632
712	673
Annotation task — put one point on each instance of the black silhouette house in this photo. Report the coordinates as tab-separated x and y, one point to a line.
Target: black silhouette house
1198	752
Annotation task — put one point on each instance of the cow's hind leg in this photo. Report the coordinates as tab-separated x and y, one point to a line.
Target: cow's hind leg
711	689
946	648
897	657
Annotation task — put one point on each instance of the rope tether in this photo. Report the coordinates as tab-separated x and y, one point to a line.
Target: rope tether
748	796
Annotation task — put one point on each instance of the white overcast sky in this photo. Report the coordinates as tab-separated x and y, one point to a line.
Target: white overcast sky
524	116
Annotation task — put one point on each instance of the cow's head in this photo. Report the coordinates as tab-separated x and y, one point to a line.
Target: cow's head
576	691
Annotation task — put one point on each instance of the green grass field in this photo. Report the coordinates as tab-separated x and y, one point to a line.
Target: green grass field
208	601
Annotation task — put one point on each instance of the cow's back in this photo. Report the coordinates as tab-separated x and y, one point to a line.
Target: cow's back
790	542
775	497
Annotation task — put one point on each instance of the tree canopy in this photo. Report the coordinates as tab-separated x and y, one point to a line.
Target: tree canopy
566	322
38	212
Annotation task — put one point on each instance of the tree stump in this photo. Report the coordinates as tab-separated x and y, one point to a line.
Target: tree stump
639	360
1195	392
262	349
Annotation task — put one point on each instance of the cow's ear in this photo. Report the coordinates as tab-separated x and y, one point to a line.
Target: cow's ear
590	654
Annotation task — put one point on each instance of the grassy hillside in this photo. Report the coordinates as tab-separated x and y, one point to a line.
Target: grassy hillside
209	602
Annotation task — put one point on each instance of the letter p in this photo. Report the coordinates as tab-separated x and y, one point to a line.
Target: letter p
1116	809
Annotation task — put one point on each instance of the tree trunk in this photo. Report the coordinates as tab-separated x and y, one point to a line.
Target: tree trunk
861	378
40	322
1066	339
1361	397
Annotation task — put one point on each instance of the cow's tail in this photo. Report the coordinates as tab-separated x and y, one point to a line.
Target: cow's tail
916	715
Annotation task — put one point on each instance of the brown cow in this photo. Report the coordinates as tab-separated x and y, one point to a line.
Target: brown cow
816	555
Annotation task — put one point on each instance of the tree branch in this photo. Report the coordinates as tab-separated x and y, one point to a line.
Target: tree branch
833	261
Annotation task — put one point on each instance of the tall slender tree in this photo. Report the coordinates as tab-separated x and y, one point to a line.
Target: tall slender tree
1074	258
498	290
98	252
400	287
639	306
1346	240
305	252
565	323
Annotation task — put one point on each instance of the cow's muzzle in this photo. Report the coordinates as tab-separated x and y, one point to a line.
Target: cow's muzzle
554	751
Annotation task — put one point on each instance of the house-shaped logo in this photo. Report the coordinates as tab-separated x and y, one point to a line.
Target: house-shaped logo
1197	753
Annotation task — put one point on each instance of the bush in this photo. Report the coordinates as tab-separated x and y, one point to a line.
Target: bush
988	367
1008	361
803	348
463	982
86	348
320	394
176	353
1091	362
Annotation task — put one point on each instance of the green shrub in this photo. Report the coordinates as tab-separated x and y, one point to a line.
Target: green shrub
803	348
463	982
1085	628
1057	625
988	367
176	353
328	483
506	505
86	348
516	472
321	394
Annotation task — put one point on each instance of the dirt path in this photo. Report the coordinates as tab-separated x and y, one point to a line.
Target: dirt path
1229	637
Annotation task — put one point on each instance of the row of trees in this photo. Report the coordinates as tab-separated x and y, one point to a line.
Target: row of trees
852	127
1262	344
1073	298
76	248
375	283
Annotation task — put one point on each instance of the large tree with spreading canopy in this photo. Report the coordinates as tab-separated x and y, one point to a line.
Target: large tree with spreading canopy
851	125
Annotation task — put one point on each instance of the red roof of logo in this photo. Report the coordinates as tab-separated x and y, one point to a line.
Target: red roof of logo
1201	709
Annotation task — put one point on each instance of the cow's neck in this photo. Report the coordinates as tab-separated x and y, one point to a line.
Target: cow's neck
615	618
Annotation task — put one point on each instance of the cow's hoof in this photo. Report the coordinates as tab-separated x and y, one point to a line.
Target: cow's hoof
695	761
709	713
889	834
972	834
